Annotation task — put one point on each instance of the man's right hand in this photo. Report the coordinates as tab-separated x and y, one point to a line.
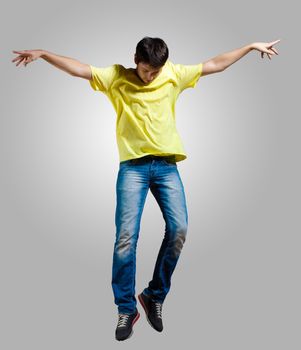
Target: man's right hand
27	56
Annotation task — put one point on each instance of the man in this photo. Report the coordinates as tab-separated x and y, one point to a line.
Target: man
149	149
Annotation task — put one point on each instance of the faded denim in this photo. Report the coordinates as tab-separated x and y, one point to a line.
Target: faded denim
135	178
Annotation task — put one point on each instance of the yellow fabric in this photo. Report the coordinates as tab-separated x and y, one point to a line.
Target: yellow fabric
146	121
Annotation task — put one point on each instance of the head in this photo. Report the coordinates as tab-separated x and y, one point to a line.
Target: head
150	57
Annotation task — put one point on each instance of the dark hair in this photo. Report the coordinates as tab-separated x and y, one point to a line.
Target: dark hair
152	51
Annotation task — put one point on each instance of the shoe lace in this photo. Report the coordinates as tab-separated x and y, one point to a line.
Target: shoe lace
123	318
158	308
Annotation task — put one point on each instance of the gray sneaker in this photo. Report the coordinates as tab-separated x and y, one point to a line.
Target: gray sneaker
125	325
153	311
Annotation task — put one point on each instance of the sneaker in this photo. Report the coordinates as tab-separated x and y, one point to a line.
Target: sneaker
153	311
125	324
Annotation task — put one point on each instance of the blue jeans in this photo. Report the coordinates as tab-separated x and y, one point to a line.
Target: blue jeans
134	179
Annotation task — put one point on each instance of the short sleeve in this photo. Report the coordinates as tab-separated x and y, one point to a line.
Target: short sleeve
103	77
188	75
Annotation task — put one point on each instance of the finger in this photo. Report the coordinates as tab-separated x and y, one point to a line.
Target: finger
19	58
270	45
268	51
274	50
275	42
261	54
20	61
21	55
269	56
28	60
25	61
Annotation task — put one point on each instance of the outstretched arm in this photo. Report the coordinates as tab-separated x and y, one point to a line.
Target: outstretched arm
67	64
223	61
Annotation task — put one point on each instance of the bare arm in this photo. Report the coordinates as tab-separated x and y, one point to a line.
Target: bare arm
223	61
67	64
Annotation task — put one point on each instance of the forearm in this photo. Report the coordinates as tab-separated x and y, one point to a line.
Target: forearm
66	64
225	60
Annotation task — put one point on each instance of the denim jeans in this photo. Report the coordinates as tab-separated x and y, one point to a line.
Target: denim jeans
135	178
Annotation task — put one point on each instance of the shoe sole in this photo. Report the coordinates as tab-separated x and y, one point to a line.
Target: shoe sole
146	312
134	321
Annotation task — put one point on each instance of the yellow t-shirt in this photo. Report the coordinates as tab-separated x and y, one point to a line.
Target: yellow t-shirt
146	121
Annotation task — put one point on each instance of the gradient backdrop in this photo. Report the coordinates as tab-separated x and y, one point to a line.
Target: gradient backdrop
236	285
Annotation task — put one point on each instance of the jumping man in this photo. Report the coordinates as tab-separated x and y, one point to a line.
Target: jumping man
149	149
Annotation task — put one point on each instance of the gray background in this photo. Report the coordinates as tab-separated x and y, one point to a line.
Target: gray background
236	283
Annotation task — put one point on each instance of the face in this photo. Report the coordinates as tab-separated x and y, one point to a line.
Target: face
146	72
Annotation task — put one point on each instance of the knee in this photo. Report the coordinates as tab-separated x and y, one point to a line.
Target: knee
179	240
124	244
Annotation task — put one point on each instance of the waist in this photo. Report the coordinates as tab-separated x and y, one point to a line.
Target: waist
169	159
